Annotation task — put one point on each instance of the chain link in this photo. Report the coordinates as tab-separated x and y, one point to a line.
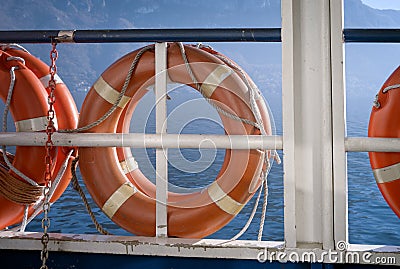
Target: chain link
50	129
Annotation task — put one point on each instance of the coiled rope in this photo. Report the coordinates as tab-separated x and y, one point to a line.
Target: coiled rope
14	189
5	114
38	206
18	191
11	188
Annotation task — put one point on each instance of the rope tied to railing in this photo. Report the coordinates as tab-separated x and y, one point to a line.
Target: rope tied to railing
5	114
119	98
376	102
253	93
74	179
78	188
4	46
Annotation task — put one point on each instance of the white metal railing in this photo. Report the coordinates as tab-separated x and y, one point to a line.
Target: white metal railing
161	128
372	144
320	79
139	140
205	141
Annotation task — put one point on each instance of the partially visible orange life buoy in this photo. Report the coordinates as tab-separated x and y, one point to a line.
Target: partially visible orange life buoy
385	122
29	110
121	196
64	107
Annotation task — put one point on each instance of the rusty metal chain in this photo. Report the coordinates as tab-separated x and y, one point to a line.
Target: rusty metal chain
50	129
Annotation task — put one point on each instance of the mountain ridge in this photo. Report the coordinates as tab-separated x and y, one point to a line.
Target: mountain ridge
80	65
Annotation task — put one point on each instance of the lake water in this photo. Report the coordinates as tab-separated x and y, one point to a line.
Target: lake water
371	221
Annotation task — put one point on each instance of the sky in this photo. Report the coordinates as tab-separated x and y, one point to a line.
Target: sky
383	4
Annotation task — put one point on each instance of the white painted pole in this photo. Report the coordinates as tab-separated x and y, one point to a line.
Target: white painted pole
326	143
139	140
340	199
288	121
375	144
307	128
161	128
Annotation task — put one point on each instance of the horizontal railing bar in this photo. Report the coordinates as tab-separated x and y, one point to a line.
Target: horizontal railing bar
138	140
182	35
371	35
368	144
144	140
143	35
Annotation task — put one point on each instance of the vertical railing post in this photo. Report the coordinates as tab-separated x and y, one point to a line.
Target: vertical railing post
288	119
161	128
307	123
339	124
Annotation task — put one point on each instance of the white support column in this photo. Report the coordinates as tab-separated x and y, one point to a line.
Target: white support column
307	123
288	124
339	123
161	128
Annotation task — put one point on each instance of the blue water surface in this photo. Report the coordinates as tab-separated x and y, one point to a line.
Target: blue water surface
371	221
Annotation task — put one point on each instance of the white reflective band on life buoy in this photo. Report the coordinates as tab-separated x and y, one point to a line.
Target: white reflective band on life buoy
118	198
223	200
214	79
108	93
33	125
45	80
129	164
387	174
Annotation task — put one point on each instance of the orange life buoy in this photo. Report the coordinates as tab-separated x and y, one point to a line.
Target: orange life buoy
65	110
128	197
29	110
385	122
128	162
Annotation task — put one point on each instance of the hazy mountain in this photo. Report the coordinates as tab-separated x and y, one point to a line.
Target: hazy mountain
369	64
53	14
79	65
359	15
